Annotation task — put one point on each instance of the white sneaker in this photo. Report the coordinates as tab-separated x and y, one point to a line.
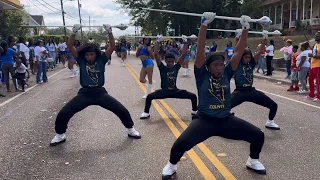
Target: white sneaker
168	171
302	92
193	112
271	125
73	74
133	133
58	139
256	166
144	115
316	100
145	96
310	98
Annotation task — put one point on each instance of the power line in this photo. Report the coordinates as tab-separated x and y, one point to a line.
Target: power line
37	6
50	5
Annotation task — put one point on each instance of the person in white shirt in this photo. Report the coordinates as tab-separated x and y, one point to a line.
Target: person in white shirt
269	57
53	51
287	55
20	74
303	65
62	52
24	51
41	57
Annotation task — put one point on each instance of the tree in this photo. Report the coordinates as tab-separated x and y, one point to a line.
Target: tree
58	31
250	8
160	23
11	21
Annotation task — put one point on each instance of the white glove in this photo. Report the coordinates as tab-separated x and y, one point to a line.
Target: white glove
108	28
238	33
265	34
76	28
244	20
207	18
159	38
184	38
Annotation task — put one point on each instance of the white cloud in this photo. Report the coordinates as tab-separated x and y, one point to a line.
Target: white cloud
100	11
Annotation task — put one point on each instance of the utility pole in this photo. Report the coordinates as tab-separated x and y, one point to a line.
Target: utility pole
89	24
79	6
64	22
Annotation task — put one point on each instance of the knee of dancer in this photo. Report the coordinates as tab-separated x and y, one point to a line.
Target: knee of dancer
258	136
182	144
274	106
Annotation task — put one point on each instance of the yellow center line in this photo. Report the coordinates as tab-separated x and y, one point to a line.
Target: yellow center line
206	151
206	173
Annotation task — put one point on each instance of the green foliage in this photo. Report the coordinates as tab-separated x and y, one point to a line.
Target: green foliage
250	8
11	21
58	31
154	23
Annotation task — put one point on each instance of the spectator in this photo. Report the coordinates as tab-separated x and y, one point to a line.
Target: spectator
269	57
228	51
315	70
287	57
261	60
7	56
20	74
214	46
303	65
294	70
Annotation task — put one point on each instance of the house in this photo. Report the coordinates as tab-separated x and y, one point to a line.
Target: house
10	5
35	20
286	14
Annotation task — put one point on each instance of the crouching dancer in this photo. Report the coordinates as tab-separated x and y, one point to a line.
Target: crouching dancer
213	117
168	75
92	67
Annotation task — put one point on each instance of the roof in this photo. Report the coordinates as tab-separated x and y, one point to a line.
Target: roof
10	4
38	19
270	2
30	21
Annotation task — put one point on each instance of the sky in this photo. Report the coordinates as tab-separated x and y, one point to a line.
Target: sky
100	11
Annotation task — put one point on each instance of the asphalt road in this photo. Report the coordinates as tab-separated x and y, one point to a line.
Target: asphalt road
98	147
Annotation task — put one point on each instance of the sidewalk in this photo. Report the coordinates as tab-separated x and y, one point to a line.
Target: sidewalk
277	77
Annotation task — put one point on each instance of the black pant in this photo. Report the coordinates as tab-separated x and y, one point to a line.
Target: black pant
230	127
252	95
21	79
288	67
91	96
178	94
269	65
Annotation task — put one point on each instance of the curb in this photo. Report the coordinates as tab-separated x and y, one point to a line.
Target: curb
282	81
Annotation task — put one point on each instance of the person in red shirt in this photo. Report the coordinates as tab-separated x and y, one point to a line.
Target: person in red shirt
294	70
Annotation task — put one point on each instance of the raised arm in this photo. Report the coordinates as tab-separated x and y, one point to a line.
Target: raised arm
207	18
72	39
241	45
156	50
112	44
184	50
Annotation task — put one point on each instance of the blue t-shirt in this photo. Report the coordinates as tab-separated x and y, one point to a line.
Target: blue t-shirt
69	55
244	74
7	58
168	76
92	73
214	95
213	48
229	51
